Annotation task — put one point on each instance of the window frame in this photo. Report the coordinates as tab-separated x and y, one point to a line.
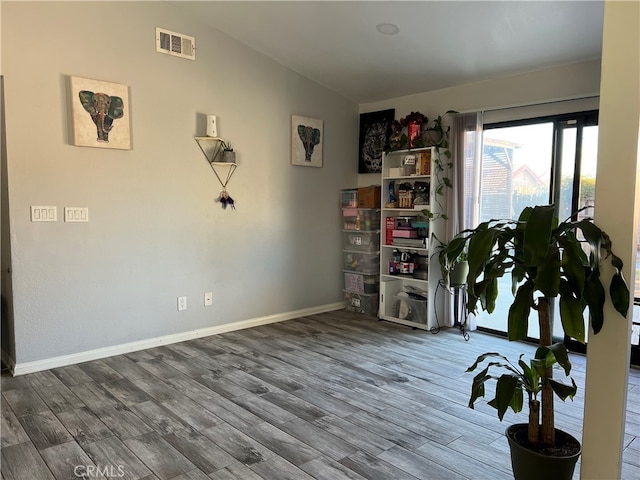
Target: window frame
561	122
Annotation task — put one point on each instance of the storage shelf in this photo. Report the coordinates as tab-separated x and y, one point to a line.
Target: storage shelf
408	177
408	323
402	247
410	150
391	285
400	276
416	209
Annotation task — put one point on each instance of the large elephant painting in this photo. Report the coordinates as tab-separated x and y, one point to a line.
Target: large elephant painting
306	141
100	114
104	109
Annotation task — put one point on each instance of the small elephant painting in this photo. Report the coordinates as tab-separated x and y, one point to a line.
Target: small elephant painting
306	141
100	114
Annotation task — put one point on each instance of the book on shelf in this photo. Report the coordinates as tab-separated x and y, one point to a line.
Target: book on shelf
405	233
409	242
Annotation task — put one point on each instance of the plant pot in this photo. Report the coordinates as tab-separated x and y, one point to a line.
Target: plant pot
528	464
458	276
431	137
228	156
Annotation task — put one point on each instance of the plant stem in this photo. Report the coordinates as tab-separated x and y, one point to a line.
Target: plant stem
544	320
533	432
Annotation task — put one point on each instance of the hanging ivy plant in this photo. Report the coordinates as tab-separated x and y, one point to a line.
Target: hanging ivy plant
442	163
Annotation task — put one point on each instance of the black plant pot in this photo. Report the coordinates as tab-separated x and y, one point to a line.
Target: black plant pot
531	465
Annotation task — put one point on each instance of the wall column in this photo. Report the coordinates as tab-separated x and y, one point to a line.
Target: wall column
617	209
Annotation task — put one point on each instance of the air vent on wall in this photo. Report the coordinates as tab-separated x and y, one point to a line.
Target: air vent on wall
176	44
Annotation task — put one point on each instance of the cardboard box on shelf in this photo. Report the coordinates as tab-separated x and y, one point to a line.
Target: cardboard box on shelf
369	197
424	163
390	225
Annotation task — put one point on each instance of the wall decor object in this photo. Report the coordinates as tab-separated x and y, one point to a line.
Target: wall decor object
212	126
306	141
375	131
219	153
100	113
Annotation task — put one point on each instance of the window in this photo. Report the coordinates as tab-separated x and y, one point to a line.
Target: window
534	162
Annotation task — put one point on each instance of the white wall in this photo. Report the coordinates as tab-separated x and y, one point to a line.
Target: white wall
155	231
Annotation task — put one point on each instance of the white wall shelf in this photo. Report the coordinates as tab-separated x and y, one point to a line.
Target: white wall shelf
211	148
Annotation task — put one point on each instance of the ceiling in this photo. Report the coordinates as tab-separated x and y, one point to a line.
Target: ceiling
439	44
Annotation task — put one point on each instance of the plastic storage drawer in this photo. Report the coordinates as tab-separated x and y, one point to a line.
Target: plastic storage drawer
360	262
367	304
410	309
349	198
361	241
361	283
361	219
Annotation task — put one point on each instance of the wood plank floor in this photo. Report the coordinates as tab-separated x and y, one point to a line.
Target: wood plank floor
332	396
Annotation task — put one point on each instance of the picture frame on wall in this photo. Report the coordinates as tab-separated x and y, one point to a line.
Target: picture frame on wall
375	131
100	114
307	136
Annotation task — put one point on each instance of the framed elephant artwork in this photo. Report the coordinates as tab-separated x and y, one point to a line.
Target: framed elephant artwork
100	113
375	131
306	141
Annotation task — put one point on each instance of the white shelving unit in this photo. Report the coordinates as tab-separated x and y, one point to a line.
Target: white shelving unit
408	311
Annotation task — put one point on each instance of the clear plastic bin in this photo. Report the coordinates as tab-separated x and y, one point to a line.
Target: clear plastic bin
361	241
360	262
361	283
364	219
410	309
366	304
349	198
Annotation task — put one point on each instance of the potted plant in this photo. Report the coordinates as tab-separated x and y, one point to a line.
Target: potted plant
228	155
452	257
546	259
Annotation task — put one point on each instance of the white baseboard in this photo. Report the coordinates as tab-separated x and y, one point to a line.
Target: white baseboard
64	360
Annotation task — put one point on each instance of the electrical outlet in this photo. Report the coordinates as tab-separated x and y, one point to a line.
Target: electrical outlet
182	303
208	299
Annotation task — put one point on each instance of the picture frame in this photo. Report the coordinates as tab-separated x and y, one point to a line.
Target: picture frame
375	131
100	114
307	136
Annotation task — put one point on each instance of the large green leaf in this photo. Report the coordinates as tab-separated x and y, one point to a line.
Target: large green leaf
619	293
518	321
483	357
594	296
571	313
560	355
593	236
480	247
454	249
563	391
491	293
530	377
548	274
537	234
505	391
573	262
477	386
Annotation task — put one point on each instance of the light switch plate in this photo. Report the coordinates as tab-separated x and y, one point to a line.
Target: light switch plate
44	213
76	214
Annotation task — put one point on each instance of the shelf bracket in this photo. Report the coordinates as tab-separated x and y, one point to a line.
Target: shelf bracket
211	154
